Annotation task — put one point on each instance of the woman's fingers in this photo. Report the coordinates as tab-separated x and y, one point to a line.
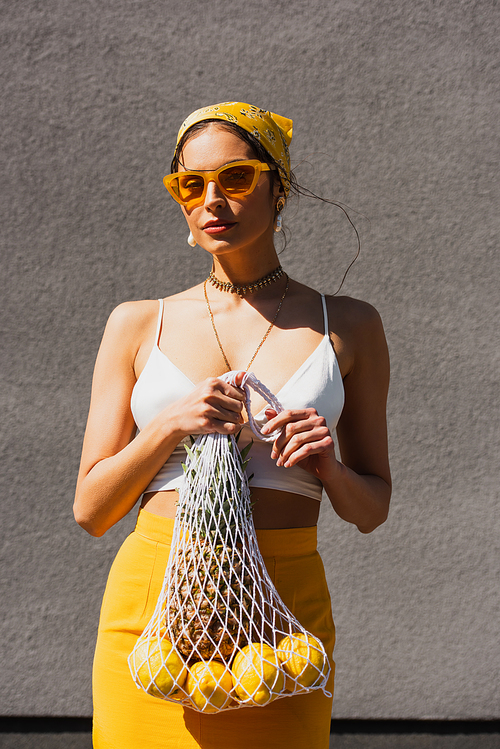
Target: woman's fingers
231	404
298	450
303	433
285	417
217	392
214	406
239	378
304	441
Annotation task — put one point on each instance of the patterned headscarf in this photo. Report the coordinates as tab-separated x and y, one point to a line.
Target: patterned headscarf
272	131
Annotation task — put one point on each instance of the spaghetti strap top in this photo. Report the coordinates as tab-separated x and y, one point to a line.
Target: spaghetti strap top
325	316
317	383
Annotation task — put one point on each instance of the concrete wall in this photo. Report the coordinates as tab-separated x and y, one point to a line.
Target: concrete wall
394	110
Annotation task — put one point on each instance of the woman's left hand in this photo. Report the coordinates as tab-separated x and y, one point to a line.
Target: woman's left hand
305	440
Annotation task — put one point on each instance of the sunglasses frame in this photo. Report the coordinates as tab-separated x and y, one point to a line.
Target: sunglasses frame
213	176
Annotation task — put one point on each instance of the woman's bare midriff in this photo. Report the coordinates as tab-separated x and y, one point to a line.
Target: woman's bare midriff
271	509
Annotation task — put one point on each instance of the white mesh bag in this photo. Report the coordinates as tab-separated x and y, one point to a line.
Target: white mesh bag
220	637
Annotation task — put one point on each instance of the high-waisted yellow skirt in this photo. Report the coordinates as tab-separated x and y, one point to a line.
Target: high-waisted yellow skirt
125	717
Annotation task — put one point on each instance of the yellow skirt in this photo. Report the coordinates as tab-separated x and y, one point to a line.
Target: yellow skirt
125	717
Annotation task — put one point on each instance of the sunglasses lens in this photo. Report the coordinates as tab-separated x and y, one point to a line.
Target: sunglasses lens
188	187
237	179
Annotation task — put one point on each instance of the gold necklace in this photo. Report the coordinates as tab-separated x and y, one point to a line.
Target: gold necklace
262	341
251	287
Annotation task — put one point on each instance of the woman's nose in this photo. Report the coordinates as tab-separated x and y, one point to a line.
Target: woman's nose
214	195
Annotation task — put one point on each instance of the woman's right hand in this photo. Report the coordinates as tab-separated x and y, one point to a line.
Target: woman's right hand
213	406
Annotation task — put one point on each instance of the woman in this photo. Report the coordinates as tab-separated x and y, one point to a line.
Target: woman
157	369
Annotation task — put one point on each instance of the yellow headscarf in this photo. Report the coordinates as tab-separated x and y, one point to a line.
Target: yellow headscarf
271	130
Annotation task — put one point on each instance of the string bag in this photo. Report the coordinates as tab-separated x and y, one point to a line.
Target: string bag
220	636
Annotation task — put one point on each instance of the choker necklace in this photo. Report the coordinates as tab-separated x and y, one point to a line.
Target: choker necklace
249	287
266	333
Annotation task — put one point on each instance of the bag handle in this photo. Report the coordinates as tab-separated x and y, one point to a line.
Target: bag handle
250	381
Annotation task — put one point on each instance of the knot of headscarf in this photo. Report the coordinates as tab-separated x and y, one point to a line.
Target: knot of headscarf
271	130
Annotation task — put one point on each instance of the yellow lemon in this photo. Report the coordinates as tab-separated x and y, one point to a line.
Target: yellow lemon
209	685
303	658
160	669
257	676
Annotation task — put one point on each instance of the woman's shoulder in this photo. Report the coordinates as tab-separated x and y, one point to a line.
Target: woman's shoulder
130	317
346	309
136	320
353	314
356	330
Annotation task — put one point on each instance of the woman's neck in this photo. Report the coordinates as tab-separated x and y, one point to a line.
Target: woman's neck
245	271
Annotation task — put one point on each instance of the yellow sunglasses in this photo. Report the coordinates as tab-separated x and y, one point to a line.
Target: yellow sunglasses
236	179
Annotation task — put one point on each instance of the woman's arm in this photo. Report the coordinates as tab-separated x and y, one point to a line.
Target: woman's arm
116	467
359	487
364	473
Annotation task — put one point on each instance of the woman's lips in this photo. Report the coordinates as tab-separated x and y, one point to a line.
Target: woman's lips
218	228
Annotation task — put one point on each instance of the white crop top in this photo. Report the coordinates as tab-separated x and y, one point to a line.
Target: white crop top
317	383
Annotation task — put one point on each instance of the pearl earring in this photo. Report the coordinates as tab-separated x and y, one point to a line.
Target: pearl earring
191	240
279	218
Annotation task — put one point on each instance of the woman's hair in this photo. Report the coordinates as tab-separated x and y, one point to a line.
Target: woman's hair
262	155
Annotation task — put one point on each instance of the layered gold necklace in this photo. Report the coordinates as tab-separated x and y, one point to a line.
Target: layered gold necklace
267	331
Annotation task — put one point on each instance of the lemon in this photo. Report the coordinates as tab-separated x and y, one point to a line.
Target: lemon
303	658
160	669
257	676
209	684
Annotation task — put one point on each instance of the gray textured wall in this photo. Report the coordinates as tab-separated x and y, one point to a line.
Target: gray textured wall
395	107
